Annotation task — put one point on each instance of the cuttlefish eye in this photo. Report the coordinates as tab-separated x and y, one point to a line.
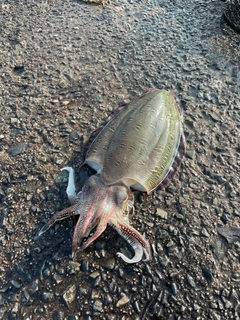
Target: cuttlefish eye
121	196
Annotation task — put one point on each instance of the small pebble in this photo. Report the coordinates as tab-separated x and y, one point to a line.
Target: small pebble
69	294
124	300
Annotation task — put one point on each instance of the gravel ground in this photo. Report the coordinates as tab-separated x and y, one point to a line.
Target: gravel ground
65	66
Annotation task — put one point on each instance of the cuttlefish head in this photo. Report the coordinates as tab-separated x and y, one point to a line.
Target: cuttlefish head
100	205
97	206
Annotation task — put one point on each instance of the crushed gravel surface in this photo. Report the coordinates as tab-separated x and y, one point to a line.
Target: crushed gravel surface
65	66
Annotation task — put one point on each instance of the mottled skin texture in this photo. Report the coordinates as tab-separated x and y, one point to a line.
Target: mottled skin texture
139	148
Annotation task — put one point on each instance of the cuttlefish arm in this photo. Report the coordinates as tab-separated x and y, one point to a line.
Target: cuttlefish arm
66	213
137	241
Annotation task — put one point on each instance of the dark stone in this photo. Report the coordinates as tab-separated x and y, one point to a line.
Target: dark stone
231	15
58	315
17	149
231	234
207	274
18	69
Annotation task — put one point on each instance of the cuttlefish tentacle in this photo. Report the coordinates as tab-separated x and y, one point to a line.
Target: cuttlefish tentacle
139	244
